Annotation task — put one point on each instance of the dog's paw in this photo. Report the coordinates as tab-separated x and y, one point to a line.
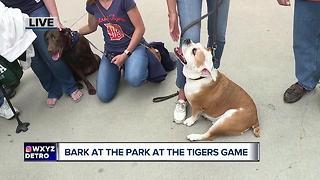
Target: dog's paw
189	122
195	137
92	91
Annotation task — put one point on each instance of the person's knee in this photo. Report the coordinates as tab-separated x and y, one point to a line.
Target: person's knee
105	97
135	80
136	77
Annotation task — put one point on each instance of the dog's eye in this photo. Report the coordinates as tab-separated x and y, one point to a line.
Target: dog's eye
52	37
194	51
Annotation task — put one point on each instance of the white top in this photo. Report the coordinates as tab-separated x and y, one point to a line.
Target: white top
14	38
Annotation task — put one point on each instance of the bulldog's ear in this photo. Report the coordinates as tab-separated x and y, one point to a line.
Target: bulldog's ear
210	49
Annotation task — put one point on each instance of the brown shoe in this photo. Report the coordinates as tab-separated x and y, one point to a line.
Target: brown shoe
294	93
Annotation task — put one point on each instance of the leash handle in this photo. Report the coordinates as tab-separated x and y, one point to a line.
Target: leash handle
163	98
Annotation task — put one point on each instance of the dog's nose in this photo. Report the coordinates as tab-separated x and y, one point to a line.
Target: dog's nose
50	50
187	41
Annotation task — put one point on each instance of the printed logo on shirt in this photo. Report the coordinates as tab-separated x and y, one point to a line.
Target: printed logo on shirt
37	1
111	18
114	31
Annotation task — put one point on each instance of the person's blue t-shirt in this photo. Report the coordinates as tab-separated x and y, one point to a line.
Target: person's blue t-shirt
115	23
26	6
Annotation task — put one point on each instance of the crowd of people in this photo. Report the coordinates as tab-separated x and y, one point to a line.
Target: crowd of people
123	31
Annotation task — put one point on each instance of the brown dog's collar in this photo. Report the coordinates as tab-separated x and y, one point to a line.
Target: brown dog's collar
71	38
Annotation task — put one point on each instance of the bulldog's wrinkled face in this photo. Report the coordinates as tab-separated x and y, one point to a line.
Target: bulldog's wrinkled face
198	60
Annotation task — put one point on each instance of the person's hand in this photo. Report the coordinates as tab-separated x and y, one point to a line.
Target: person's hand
119	60
284	2
59	24
173	26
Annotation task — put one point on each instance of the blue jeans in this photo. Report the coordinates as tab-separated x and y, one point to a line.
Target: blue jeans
135	73
55	76
222	18
190	10
306	43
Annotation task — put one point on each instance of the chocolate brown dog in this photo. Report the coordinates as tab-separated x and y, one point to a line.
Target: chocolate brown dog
75	50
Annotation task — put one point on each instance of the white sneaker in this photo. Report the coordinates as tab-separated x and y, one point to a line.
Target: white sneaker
180	112
25	64
5	110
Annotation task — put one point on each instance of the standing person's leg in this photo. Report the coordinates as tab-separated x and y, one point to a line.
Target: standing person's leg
55	76
306	46
136	67
222	21
107	80
188	11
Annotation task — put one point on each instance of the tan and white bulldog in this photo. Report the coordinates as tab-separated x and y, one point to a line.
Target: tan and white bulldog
212	95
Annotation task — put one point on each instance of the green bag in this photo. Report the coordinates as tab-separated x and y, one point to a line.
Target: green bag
11	72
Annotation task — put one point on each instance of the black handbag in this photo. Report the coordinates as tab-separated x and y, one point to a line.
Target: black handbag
11	72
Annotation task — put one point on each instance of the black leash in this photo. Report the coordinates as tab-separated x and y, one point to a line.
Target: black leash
214	46
22	126
163	98
95	47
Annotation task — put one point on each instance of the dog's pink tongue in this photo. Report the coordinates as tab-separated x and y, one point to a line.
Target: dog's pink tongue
206	72
56	56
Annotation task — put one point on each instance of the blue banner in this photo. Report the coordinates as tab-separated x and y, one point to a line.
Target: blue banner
40	152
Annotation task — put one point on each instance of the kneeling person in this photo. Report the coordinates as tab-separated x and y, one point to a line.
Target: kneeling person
123	31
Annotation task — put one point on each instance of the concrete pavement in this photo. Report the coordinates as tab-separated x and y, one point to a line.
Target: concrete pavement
258	56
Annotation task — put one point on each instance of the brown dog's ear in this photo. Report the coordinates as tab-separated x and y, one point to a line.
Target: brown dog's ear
65	31
46	36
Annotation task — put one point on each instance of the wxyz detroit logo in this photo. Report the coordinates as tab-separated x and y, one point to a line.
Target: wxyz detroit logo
114	31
